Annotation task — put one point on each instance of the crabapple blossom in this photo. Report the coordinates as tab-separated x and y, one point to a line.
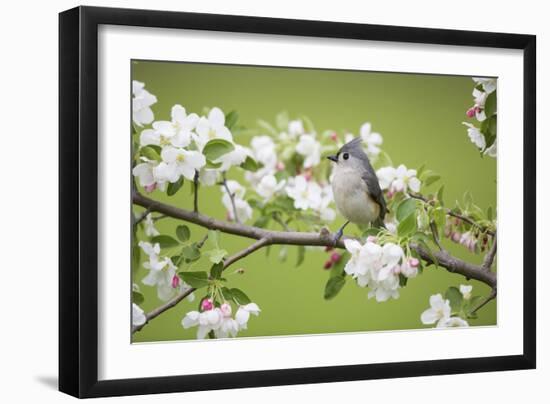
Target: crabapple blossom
306	194
466	291
243	208
309	148
295	128
178	162
468	240
398	179
453	322
150	230
263	150
409	268
373	140
489	85
208	176
211	127
439	312
145	172
234	158
475	135
244	312
491	151
138	315
268	187
141	104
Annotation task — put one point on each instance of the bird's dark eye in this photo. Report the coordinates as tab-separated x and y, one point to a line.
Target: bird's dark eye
345	156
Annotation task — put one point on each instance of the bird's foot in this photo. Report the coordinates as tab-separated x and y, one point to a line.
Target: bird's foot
337	236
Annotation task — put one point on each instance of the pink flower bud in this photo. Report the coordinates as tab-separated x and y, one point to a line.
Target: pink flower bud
335	257
308	175
390	194
280	166
334	136
328	264
455	236
175	281
226	309
150	188
371	239
471	112
207	305
414	262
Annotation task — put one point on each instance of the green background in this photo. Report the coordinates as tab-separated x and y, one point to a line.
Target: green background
419	117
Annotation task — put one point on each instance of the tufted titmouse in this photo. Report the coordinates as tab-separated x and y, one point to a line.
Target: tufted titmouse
355	187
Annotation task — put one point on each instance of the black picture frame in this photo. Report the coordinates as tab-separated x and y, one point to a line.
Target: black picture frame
78	200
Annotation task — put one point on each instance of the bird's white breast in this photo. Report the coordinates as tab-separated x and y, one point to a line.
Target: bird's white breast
352	198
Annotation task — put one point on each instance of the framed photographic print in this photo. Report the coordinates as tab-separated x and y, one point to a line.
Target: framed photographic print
251	201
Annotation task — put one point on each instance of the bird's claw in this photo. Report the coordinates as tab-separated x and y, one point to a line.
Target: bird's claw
337	236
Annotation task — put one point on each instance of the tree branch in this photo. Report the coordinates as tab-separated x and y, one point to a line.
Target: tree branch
490	257
323	239
456	215
231	198
196	193
485	301
174	301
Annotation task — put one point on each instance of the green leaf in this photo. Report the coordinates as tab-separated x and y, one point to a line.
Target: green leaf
183	233
283	253
226	292
165	241
267	127
428	250
334	286
137	297
196	280
231	119
136	256
216	148
262	221
440	194
301	255
371	231
239	297
250	164
191	252
430	179
491	104
308	124
212	165
216	255
405	208
150	153
490	213
281	120
403	280
174	187
440	219
338	268
455	298
213	238
407	226
216	270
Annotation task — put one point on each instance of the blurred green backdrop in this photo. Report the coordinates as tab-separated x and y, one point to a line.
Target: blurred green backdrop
419	117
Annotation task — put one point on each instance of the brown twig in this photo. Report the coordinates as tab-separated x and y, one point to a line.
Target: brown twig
196	193
231	198
485	301
490	257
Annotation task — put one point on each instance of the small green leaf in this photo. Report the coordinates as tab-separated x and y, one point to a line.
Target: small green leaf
165	241
191	253
440	219
231	119
403	280
455	298
183	233
136	256
250	164
301	255
196	280
491	104
212	165
267	127
428	251
281	120
150	153
239	297
262	221
216	148
174	187
334	286
216	270
405	208
440	194
137	297
226	292
407	226
490	213
216	255
283	253
431	179
213	238
371	231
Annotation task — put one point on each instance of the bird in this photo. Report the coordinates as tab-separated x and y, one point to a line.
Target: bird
356	188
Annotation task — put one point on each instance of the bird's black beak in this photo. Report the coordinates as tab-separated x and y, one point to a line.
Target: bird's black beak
333	157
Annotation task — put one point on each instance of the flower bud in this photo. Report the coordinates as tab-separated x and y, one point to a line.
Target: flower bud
206	305
226	309
455	236
175	281
334	136
414	262
371	239
328	264
280	166
150	188
471	112
335	257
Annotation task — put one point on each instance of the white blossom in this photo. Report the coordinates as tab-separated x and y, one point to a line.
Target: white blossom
491	151
178	162
489	85
150	230
453	322
475	135
244	312
268	187
176	132
311	150
234	158
398	179
145	172
208	176
263	150
466	291
306	194
439	312
141	104
138	315
295	128
237	192
212	127
372	140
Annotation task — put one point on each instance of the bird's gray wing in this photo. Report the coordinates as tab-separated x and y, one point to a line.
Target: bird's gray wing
375	192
